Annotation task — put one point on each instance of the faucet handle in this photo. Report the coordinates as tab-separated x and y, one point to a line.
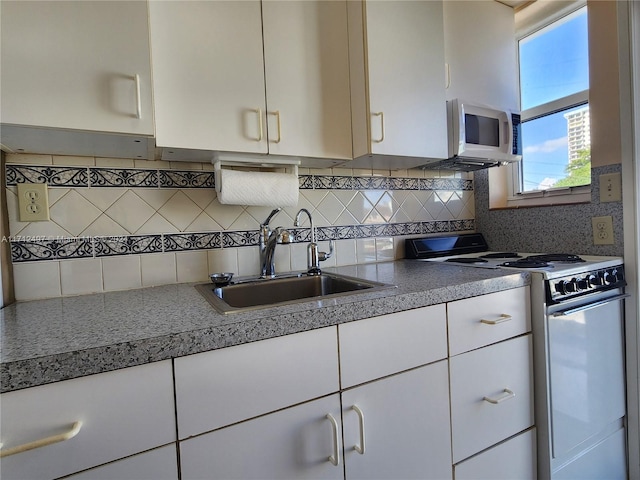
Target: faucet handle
322	256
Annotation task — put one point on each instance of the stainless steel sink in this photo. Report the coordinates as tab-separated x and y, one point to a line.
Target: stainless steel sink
261	293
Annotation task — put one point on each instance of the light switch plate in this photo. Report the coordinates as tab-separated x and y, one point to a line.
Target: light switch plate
33	202
610	187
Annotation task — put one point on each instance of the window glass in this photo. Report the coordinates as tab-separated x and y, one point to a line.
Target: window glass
554	82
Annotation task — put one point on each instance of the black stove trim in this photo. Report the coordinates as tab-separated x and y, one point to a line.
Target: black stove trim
445	246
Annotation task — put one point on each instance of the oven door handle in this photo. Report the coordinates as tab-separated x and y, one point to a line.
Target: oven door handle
589	306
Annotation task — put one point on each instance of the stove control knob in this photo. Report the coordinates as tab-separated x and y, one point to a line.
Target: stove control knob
583	283
610	276
596	280
569	286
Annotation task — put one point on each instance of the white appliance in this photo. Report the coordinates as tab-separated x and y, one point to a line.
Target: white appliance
579	372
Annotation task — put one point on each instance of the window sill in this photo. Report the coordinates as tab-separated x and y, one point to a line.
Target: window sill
551	197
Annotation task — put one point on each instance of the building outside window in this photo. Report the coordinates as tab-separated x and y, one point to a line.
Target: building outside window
554	94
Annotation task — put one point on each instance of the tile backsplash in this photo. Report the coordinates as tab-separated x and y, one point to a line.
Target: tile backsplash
119	224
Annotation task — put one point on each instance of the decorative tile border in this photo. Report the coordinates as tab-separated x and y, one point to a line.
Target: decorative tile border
97	177
30	249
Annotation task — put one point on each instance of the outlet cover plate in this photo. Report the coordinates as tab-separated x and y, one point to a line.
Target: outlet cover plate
33	202
602	230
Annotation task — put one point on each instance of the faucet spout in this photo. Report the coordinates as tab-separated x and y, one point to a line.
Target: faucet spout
267	243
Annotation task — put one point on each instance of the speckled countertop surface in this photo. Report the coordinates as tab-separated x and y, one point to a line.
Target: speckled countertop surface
51	340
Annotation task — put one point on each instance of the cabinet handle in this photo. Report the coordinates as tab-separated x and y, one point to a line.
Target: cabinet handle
260	129
447	79
43	442
277	115
381	115
335	458
499	319
136	79
360	448
506	395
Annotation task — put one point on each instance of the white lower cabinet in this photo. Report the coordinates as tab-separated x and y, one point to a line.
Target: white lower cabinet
514	459
294	443
103	417
398	427
158	464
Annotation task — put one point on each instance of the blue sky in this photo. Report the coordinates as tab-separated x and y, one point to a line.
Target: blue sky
553	64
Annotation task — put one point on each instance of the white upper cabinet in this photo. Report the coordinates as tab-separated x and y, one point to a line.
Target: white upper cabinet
307	75
480	51
208	75
76	65
209	70
397	82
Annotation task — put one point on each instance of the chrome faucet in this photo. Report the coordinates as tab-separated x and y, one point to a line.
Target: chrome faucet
314	257
268	241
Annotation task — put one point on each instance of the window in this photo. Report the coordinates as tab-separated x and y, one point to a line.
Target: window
554	95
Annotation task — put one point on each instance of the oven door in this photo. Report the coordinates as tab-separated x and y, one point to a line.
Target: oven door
586	369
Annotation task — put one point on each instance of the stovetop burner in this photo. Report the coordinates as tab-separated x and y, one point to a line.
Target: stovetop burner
501	255
528	262
557	257
467	260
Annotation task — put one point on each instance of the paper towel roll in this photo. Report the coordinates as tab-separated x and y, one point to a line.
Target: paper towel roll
258	188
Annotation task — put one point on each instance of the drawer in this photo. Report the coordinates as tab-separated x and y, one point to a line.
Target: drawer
158	464
514	459
122	413
480	321
483	411
225	386
388	344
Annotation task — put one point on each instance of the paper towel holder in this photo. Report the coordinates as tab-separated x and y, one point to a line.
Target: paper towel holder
251	161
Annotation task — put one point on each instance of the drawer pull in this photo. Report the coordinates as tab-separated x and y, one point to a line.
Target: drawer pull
359	448
506	395
136	79
43	442
494	321
335	458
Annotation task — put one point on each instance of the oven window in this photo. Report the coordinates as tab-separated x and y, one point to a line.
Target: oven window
481	130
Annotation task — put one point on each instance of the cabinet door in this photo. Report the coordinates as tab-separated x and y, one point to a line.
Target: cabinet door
208	75
405	61
404	425
292	443
158	464
307	78
73	65
122	413
480	51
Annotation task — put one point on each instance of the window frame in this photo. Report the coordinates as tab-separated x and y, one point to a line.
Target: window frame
550	196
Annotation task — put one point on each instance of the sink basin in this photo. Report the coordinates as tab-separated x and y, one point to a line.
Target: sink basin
263	293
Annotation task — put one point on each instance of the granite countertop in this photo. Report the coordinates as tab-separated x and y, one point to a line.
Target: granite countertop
56	339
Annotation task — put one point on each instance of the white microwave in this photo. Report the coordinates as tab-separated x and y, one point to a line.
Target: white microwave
483	133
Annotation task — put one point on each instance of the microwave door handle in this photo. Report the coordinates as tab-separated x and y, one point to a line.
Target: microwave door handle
508	134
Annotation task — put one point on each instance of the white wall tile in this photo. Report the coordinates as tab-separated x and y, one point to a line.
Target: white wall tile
36	280
68	160
121	272
365	250
384	249
29	159
346	252
158	269
223	260
298	253
248	261
81	276
192	266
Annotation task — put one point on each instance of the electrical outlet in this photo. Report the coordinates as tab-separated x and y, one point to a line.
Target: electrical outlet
602	230
611	187
33	202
